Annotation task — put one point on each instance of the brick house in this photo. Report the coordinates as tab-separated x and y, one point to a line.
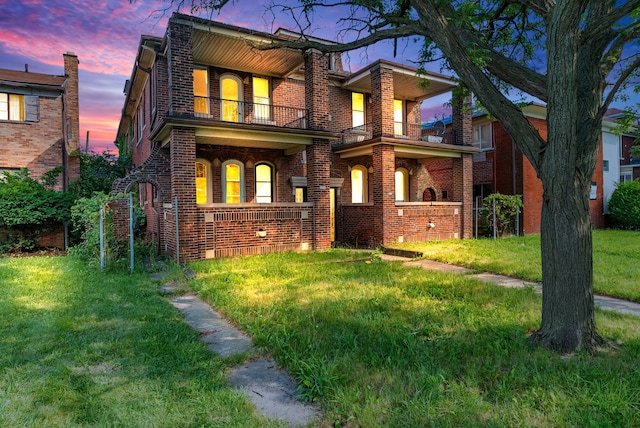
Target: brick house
39	125
245	151
501	167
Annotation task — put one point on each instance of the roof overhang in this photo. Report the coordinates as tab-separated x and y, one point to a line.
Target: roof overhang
421	150
408	82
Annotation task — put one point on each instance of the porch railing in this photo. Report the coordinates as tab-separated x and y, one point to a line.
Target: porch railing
411	131
249	112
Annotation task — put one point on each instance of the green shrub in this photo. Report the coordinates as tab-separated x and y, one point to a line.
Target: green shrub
506	208
624	205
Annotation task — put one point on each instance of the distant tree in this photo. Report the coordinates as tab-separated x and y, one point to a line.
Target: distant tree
573	55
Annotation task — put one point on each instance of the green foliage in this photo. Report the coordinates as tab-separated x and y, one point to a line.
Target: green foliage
635	151
98	172
624	205
27	208
50	178
506	208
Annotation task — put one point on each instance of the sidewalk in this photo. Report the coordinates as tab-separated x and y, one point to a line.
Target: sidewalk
603	302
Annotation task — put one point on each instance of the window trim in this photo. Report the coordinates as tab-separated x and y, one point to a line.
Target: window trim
224	180
240	96
365	184
405	184
207	90
272	195
488	140
354	111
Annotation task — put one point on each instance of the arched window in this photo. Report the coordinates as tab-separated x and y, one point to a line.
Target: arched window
233	182
231	96
402	185
203	188
264	183
359	184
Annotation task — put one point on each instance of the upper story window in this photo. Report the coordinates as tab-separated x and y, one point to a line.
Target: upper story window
232	182
402	185
482	136
264	183
357	108
231	95
359	184
19	108
261	98
398	117
200	90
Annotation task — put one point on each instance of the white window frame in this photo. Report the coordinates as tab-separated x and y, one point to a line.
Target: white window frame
480	140
363	196
405	184
224	180
271	184
357	116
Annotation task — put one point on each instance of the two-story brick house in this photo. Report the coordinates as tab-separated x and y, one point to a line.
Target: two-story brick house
244	151
39	125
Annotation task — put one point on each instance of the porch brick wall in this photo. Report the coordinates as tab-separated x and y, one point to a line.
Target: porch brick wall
382	95
463	192
384	192
180	66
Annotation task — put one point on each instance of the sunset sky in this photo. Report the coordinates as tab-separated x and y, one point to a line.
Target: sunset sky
104	34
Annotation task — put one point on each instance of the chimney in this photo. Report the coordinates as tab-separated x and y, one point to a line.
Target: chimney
72	106
26	68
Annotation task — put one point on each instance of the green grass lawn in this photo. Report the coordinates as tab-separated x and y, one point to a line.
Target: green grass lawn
83	348
616	254
381	344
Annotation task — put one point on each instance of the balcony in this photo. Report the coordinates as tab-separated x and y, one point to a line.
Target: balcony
409	131
251	113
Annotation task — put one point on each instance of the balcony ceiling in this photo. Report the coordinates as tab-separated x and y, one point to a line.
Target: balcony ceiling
226	48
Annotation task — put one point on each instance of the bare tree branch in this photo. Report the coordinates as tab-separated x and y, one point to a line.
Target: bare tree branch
626	73
607	21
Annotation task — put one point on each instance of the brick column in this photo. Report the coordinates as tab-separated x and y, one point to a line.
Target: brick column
183	187
382	95
384	199
180	67
461	117
316	79
463	192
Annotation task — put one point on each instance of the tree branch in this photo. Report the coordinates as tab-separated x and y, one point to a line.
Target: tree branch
626	73
606	21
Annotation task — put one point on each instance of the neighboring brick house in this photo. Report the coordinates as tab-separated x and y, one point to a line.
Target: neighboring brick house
39	125
501	167
271	150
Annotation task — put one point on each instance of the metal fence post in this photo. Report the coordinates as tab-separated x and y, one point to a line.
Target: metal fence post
102	237
131	232
177	232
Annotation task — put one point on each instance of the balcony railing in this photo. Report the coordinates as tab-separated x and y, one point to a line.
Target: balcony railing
410	131
248	112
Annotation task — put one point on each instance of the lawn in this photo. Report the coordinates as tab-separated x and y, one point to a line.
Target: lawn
616	253
85	348
380	344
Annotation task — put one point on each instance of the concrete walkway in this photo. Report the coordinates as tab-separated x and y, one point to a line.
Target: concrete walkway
272	391
603	302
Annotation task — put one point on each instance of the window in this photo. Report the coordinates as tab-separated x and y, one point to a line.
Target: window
264	183
200	91
359	184
398	117
231	95
605	165
301	195
232	182
141	119
626	177
402	185
482	136
12	107
261	99
203	190
357	109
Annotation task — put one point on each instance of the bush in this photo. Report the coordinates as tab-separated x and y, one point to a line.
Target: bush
624	205
27	208
507	207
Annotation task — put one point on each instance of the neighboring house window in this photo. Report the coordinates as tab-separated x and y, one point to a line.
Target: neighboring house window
19	108
264	183
261	99
402	185
605	165
482	136
398	117
359	184
231	95
203	189
357	109
232	182
626	177
200	90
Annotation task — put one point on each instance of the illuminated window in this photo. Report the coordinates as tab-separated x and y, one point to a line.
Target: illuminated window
402	185
398	117
261	99
200	91
359	184
203	190
11	107
264	183
231	95
232	182
357	108
301	195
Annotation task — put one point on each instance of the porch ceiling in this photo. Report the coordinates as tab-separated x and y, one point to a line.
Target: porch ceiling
406	149
229	48
407	83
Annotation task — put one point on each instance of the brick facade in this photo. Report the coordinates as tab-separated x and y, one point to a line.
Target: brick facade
300	137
